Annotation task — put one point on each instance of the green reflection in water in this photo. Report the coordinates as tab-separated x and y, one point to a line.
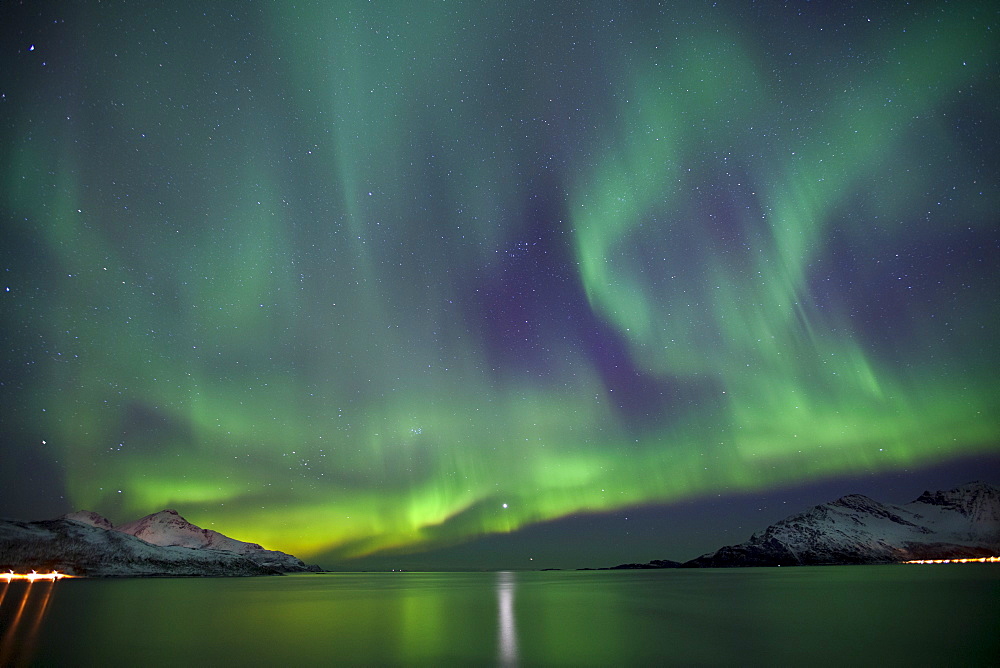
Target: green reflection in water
893	615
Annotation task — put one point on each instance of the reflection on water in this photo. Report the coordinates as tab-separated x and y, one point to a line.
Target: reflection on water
506	626
836	616
22	608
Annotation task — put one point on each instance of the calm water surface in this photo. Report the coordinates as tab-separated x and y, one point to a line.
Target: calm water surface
878	615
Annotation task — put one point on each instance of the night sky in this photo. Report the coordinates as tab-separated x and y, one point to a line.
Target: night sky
495	284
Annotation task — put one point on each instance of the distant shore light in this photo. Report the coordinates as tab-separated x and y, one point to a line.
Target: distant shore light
961	560
32	576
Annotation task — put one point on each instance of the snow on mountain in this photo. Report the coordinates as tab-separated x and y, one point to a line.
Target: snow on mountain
85	543
855	529
91	518
80	548
168	528
970	512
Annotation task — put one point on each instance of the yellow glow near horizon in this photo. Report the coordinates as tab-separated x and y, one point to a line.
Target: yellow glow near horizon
961	560
33	575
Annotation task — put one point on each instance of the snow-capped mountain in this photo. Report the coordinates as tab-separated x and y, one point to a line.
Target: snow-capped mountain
167	527
85	543
855	529
91	518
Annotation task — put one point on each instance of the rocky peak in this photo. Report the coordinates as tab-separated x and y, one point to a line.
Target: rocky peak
962	498
167	527
964	521
89	517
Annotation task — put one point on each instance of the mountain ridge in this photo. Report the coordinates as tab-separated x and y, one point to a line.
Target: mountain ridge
163	543
855	529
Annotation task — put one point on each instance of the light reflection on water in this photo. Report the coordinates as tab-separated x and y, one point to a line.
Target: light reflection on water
893	615
23	605
506	625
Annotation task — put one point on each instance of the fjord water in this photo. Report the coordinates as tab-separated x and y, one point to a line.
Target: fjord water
862	615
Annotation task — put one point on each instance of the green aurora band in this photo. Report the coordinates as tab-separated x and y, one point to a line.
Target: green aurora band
273	282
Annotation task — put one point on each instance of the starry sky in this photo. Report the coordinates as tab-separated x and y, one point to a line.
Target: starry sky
464	284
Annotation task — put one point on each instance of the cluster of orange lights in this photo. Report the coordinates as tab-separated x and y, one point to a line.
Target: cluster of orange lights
971	560
32	576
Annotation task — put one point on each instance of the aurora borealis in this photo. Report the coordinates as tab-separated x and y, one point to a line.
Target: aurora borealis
348	278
